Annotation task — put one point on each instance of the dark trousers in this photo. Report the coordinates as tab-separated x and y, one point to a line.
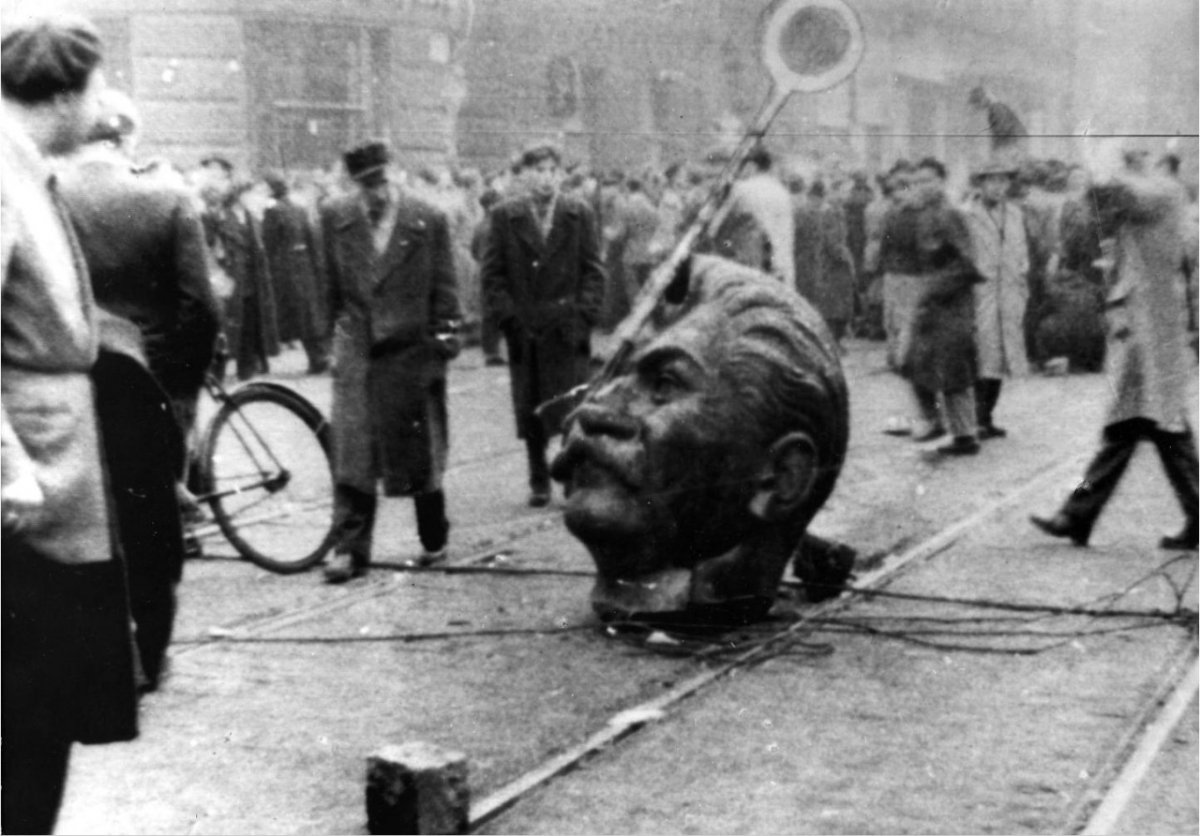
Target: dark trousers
987	395
354	520
1177	450
535	449
489	336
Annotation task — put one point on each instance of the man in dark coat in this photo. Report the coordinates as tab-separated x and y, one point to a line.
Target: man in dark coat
941	355
144	245
292	258
824	267
144	248
394	302
1005	127
68	661
235	237
544	283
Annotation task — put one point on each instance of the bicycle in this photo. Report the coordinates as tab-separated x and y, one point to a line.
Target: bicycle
263	466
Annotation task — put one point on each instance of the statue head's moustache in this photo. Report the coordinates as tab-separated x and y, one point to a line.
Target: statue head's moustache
693	470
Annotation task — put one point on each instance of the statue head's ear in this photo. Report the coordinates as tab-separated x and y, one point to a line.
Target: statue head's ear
787	477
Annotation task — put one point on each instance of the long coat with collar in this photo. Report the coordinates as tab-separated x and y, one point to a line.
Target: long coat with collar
1150	366
1001	257
68	665
546	295
389	383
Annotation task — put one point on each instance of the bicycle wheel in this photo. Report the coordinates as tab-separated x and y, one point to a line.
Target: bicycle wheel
267	475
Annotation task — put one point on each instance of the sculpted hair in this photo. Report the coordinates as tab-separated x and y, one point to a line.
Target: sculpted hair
783	365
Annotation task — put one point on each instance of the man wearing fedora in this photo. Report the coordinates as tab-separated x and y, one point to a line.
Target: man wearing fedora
393	300
1001	256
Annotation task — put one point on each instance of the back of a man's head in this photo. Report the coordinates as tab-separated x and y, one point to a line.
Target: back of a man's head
47	56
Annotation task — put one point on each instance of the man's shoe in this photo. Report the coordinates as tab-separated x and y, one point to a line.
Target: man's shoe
933	432
962	445
344	566
1185	540
1060	525
539	498
987	431
432	558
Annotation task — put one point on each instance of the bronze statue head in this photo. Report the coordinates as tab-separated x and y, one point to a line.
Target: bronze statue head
692	473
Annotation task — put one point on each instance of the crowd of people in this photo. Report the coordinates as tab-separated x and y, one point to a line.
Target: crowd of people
126	283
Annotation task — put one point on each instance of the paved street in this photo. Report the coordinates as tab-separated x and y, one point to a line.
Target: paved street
893	715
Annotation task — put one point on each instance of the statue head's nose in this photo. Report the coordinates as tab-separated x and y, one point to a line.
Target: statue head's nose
599	419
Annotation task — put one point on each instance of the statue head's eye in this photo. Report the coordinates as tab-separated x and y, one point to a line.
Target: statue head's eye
666	385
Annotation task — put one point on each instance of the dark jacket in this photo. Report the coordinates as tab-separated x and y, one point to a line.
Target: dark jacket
144	246
249	314
546	295
824	267
296	279
389	387
942	355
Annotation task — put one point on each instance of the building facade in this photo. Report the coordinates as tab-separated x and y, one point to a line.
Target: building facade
288	83
630	83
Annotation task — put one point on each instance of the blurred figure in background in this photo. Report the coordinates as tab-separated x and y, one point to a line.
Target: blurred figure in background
1007	131
1001	256
234	236
630	230
296	275
824	268
754	227
489	330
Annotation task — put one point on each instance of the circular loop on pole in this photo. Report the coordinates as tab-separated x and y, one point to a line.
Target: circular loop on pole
811	45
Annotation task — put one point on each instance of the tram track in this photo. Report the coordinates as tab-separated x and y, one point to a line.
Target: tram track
1094	811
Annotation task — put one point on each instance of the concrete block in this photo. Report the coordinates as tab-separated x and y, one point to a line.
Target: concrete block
417	788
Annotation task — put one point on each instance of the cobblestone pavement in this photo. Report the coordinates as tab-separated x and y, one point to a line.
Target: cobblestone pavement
281	686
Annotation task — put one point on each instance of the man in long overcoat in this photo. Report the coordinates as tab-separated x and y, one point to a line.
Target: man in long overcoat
294	264
544	283
235	237
1150	365
1001	256
68	663
394	303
